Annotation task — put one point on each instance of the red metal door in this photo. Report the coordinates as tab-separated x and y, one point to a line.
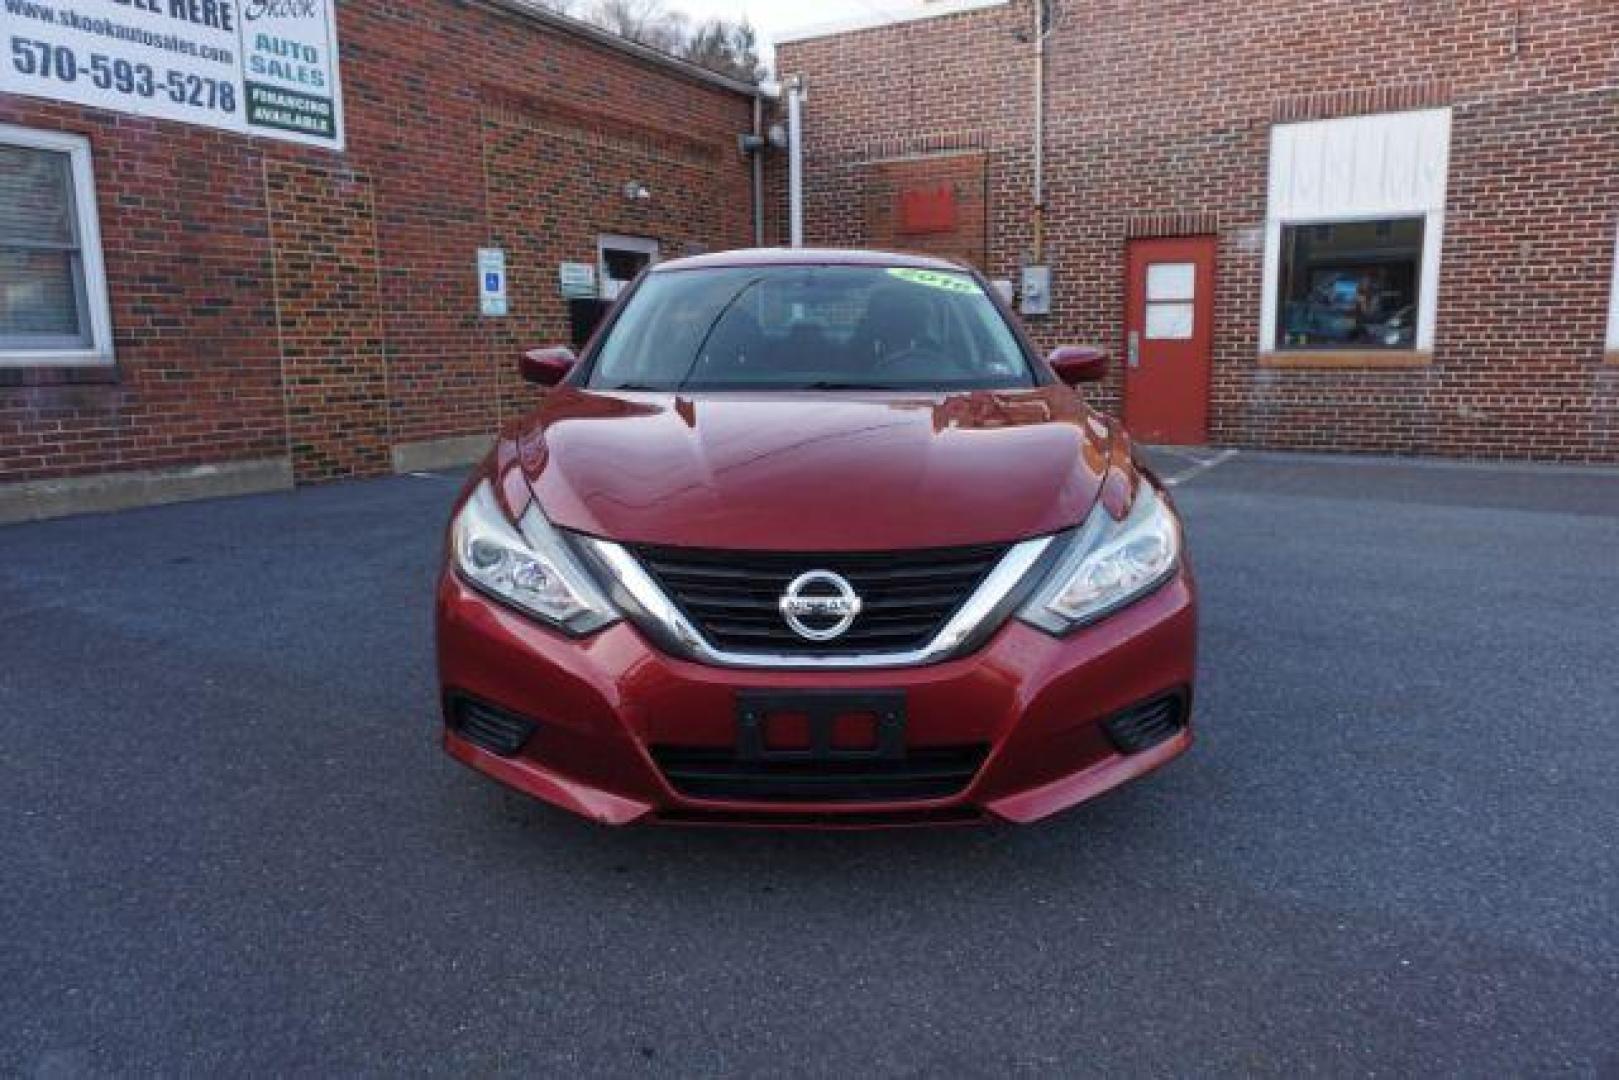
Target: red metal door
1169	336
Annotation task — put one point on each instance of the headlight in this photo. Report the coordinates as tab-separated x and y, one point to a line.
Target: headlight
1109	564
528	566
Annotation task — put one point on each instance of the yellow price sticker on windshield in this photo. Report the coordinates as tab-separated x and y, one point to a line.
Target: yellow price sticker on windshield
934	279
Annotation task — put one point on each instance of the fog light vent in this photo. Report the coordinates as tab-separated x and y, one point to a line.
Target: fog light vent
489	728
1145	726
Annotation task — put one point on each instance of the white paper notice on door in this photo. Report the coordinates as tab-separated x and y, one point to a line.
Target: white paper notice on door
1169	322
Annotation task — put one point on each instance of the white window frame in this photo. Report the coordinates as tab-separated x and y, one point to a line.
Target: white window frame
640	245
1420	193
81	168
1613	303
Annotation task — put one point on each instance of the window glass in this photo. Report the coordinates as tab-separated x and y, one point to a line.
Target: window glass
1171	290
1350	284
41	270
810	327
1170	321
39	296
1171	281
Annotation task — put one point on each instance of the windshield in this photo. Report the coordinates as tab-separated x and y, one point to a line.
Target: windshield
810	327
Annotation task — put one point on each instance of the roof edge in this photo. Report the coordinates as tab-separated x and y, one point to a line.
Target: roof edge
876	21
528	9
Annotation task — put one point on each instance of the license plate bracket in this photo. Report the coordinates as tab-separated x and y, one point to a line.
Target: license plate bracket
822	708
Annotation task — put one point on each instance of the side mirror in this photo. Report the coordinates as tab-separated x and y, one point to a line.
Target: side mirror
547	367
1075	364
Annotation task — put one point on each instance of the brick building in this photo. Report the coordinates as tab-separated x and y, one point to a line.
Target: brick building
191	305
1382	226
1387	226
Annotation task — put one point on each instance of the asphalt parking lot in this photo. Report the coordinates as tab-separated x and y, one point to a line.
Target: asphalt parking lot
229	842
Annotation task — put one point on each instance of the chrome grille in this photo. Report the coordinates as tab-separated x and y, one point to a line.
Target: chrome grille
734	597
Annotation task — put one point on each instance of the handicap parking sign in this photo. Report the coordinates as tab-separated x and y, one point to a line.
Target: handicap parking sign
492	281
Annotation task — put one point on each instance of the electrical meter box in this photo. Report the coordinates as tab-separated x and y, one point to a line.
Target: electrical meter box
1036	290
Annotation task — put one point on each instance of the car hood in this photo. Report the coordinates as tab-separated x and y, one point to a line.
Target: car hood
813	471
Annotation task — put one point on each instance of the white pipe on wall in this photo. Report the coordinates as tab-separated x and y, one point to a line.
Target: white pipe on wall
758	165
795	160
1041	31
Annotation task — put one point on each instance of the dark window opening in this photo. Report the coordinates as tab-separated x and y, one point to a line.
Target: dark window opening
1350	285
621	259
625	265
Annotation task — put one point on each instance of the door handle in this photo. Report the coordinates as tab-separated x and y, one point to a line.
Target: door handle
1133	351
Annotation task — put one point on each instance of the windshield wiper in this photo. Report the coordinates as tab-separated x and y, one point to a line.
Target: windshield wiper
632	388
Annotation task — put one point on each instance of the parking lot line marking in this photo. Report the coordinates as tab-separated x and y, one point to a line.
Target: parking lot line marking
1201	467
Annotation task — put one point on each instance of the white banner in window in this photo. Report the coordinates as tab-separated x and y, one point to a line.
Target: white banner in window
258	67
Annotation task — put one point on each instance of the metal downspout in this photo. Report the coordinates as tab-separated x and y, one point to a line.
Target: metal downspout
795	159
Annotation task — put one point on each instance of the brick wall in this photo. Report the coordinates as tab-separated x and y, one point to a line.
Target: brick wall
185	227
329	320
270	300
546	164
1159	117
933	203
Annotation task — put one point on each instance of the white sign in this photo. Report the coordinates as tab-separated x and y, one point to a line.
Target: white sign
578	280
256	67
492	281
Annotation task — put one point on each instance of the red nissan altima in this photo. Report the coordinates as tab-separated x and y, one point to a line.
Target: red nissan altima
814	538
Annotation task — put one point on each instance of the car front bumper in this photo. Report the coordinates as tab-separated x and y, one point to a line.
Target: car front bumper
601	705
